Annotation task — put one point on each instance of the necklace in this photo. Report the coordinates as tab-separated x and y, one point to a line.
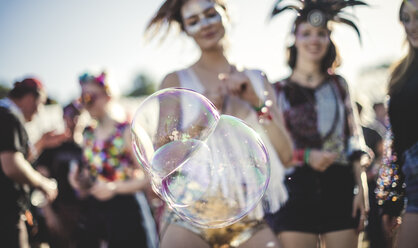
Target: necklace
308	78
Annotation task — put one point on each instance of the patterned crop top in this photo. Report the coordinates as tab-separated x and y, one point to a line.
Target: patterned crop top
321	118
107	160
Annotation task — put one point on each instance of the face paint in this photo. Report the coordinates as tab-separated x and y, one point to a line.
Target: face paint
199	14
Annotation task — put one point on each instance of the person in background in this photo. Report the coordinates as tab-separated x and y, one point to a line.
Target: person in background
380	123
399	176
62	216
16	154
328	141
117	212
374	141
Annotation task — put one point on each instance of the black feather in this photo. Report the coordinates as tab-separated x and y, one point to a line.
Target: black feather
351	24
332	10
279	10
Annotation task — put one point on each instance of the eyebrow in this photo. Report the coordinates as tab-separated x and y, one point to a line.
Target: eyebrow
203	12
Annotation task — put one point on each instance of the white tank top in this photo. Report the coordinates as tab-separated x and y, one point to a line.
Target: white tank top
276	194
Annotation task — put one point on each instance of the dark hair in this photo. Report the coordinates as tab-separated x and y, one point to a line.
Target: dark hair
331	60
71	110
359	107
27	86
169	13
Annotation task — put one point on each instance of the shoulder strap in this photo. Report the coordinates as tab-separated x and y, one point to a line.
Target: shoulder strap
189	80
342	90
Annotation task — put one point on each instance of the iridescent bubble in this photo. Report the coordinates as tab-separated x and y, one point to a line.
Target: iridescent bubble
211	170
170	115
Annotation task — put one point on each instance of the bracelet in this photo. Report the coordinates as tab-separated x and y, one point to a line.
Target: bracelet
263	113
298	155
306	155
258	109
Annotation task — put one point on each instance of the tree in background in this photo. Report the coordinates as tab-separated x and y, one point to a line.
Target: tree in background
143	85
4	89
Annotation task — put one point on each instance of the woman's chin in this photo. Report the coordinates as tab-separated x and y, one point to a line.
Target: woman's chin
414	42
211	44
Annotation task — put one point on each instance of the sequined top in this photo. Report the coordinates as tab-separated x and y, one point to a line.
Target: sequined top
390	189
393	183
107	160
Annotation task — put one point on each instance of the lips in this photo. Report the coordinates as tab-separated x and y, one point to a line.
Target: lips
314	49
209	35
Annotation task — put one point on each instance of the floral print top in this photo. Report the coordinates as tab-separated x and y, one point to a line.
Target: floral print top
107	160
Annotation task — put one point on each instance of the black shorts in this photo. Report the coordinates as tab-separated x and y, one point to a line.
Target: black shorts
118	221
13	233
318	202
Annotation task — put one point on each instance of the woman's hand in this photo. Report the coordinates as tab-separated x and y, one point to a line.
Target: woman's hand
389	225
52	139
237	83
321	160
49	188
217	97
103	191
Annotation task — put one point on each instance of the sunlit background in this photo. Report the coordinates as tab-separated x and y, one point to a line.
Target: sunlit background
58	40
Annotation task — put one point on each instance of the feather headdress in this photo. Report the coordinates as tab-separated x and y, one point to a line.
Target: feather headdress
319	12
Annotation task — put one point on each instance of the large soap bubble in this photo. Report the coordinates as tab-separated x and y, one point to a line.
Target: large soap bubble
211	170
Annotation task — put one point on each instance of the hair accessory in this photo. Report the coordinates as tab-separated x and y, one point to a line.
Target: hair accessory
316	18
86	77
319	12
99	80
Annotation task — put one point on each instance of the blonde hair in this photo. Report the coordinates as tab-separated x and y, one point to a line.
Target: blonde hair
399	69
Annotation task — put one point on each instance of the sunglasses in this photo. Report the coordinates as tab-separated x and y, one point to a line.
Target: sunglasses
88	99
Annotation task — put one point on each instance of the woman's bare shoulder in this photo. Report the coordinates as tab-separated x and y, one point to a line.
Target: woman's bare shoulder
170	80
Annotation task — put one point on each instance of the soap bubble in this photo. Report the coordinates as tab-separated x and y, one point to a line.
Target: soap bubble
211	170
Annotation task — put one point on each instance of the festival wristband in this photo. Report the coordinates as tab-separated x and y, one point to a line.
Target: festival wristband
306	155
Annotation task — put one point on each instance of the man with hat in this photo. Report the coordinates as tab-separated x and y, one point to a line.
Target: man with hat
16	172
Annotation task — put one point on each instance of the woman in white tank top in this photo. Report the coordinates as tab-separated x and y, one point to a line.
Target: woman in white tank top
244	94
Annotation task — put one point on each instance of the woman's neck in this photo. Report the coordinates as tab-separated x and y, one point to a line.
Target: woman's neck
105	127
105	120
307	73
213	61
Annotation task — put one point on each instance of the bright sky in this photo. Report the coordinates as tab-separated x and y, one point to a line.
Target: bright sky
58	40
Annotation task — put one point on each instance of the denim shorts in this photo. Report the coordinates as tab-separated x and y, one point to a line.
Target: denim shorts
410	170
